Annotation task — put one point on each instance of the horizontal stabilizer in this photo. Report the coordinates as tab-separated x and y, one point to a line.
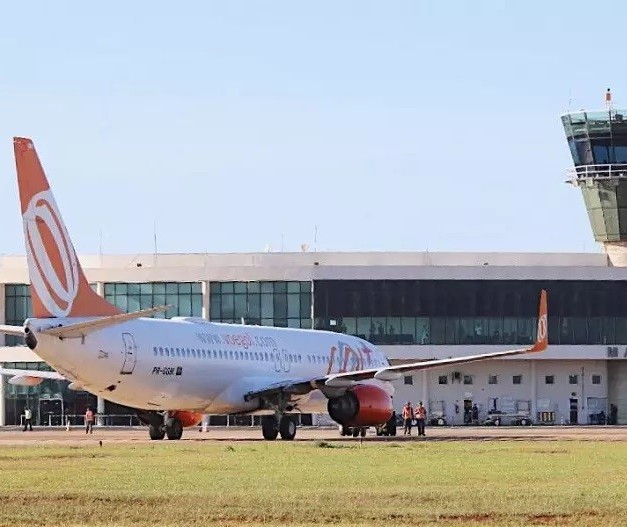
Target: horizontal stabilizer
81	329
32	374
18	331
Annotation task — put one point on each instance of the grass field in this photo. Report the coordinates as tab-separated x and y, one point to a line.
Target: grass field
415	483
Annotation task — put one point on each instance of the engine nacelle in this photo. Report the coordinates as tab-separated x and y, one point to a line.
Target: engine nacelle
187	417
363	405
25	380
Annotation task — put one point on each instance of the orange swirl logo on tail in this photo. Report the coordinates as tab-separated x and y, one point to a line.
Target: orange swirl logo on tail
55	277
541	328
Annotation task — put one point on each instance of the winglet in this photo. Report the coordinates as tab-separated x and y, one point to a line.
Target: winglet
542	335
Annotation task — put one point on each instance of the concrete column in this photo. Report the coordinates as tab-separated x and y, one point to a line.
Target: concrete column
2	395
205	300
100	288
311	307
425	389
534	391
3	314
100	410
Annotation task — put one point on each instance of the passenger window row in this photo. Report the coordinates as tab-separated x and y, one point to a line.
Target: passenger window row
159	351
320	359
317	359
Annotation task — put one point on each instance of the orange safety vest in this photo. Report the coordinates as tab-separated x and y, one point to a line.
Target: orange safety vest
407	412
89	416
421	412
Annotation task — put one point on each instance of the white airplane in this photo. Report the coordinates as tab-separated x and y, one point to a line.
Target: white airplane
174	371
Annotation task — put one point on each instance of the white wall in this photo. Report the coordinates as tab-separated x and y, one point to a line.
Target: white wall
558	394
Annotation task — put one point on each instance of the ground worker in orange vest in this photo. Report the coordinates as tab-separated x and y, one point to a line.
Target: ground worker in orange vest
421	416
408	415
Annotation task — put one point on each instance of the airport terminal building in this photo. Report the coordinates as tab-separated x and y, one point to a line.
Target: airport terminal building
414	306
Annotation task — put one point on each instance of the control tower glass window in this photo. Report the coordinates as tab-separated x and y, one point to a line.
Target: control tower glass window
598	145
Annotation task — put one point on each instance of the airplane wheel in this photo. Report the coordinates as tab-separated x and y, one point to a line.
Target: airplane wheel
156	432
269	427
174	430
362	432
355	432
287	427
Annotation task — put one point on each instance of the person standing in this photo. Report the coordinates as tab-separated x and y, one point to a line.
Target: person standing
421	416
89	421
408	415
28	419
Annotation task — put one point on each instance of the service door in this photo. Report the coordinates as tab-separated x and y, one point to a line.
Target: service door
574	405
130	354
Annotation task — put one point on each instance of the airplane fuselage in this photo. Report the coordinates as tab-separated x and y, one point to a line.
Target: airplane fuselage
187	363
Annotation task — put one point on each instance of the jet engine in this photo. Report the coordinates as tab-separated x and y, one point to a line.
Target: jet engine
363	405
187	418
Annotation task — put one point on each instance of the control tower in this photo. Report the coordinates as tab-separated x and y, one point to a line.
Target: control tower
598	146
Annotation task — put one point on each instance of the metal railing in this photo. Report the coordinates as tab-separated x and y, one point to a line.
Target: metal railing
130	420
596	172
62	420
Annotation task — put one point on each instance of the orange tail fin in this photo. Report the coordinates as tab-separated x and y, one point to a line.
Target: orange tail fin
58	285
542	336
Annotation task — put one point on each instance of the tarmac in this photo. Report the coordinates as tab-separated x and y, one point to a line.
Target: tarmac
139	435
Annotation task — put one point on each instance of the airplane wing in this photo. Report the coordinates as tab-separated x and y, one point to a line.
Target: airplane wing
392	373
18	331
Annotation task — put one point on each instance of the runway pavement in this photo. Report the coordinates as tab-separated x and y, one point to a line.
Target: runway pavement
139	435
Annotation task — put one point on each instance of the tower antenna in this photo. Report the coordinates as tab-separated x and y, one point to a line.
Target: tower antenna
154	238
609	106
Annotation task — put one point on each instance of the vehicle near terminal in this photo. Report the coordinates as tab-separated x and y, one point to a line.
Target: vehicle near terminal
174	371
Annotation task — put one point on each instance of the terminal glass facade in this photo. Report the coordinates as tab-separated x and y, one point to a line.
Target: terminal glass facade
18	308
472	311
281	304
48	401
184	297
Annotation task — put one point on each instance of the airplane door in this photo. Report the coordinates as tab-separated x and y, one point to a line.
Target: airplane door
277	359
285	361
130	354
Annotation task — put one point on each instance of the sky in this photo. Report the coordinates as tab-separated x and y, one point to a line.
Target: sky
348	126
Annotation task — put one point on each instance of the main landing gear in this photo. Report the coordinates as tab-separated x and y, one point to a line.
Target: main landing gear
162	425
271	427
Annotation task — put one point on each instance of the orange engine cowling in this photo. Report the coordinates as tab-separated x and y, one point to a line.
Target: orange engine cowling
363	405
187	418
